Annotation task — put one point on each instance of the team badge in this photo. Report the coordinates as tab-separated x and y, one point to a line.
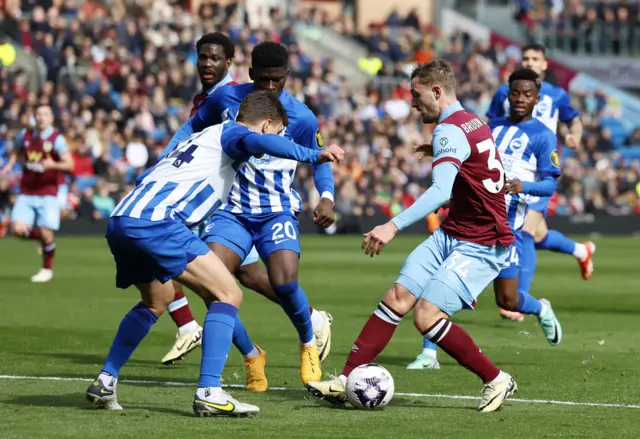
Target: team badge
555	160
47	146
319	140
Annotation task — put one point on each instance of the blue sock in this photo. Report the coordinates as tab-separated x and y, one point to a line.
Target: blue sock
527	304
216	342
426	344
527	262
557	242
241	339
295	303
133	328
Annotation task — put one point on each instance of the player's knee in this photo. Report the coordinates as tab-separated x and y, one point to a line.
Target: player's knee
283	275
19	229
47	235
541	231
399	299
252	277
426	314
231	295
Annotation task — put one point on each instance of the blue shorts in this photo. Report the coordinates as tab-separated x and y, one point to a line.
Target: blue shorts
539	204
268	233
251	258
450	273
511	267
37	210
150	250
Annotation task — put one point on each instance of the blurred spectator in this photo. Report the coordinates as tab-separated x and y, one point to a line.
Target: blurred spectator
121	76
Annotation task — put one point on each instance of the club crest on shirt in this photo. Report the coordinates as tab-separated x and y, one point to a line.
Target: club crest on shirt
555	160
319	139
47	146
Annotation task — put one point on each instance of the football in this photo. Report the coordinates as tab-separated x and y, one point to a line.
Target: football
370	387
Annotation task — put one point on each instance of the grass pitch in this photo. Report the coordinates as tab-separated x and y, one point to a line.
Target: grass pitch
63	329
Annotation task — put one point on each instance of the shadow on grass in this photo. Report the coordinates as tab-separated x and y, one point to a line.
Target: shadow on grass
76	400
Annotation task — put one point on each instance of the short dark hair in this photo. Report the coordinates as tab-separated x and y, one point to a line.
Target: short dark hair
260	105
525	75
219	39
269	54
438	72
536	47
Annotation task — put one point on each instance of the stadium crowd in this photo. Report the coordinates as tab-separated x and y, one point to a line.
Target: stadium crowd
121	79
592	27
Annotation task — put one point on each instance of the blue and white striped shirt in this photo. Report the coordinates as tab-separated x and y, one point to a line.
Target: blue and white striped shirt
528	153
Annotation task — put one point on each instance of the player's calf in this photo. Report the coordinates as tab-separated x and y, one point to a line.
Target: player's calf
373	338
455	341
189	334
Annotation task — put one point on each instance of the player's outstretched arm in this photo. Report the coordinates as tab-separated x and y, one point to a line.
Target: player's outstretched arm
437	195
278	146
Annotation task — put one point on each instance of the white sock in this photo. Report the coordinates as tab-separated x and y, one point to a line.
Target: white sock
501	377
192	326
254	353
580	252
317	319
107	380
310	342
430	352
343	380
208	392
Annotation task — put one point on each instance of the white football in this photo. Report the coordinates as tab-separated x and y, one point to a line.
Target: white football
370	387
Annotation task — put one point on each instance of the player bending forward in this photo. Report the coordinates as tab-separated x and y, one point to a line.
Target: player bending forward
215	54
448	271
528	150
149	237
261	212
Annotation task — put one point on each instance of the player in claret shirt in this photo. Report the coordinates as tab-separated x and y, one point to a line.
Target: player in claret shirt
448	271
36	214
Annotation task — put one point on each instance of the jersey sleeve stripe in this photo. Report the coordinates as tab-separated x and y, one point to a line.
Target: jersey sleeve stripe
448	159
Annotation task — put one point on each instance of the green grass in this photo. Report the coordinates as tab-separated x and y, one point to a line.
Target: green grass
64	329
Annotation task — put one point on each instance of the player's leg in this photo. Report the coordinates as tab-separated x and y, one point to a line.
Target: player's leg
277	242
145	251
209	278
467	270
230	241
415	274
47	219
251	275
512	296
555	241
427	359
189	334
155	296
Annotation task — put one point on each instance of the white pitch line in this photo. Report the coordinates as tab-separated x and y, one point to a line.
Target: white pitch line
296	389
